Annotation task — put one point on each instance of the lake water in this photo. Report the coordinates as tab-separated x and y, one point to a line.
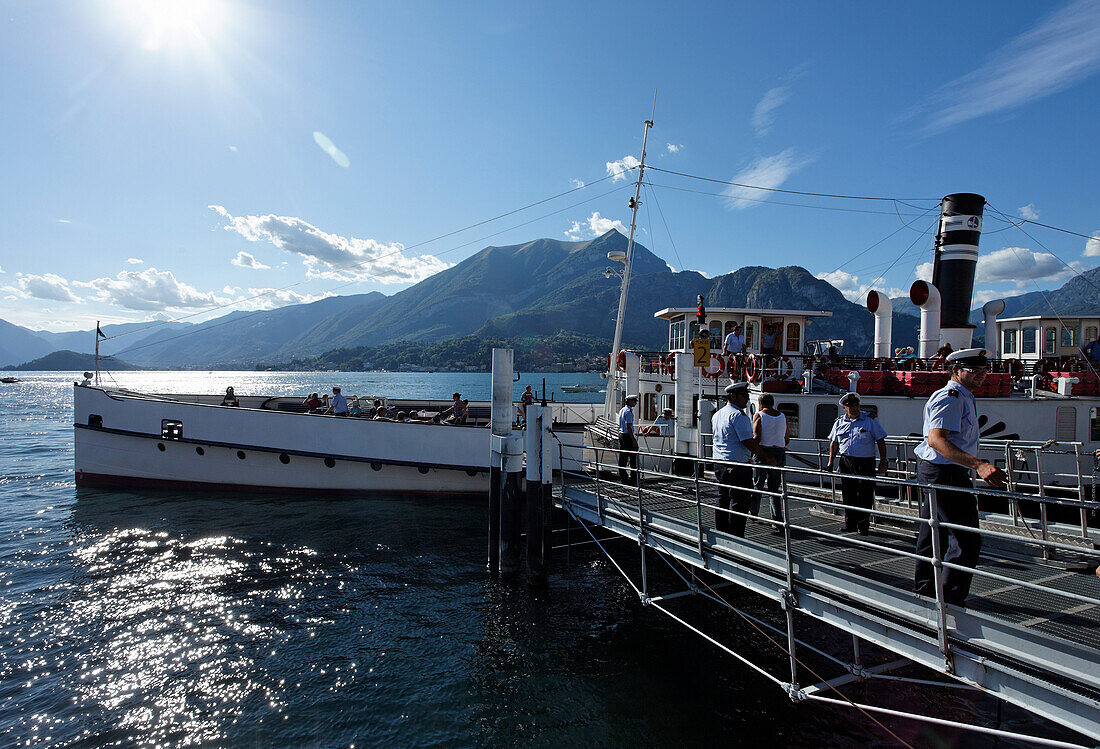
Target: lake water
165	619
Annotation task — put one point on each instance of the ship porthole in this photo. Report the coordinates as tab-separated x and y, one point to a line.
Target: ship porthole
240	454
160	446
284	458
376	466
200	451
471	472
423	469
329	462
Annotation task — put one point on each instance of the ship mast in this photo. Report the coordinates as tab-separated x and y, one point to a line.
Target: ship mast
634	203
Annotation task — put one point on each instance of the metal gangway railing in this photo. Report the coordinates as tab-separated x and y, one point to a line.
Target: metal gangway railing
1026	635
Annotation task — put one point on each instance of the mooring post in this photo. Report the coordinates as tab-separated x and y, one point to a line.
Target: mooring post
511	504
501	427
540	466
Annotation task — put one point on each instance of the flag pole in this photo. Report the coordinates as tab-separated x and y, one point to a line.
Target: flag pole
97	335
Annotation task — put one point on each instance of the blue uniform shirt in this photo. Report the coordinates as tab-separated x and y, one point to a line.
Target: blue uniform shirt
953	408
858	437
730	426
626	420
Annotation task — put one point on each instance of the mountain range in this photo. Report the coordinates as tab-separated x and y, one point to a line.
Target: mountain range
538	288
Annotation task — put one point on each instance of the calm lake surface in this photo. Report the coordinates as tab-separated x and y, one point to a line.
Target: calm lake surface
172	619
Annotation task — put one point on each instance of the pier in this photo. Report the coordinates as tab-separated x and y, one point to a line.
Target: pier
1026	635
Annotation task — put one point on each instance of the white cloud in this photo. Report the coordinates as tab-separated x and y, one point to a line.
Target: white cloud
621	169
594	226
148	289
64	221
46	286
1059	52
245	260
924	272
1028	211
1092	246
330	148
134	260
673	147
767	172
1019	264
1	269
333	256
267	298
763	116
981	296
233	149
853	290
577	183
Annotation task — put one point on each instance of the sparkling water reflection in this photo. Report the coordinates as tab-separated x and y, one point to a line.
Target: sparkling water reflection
221	620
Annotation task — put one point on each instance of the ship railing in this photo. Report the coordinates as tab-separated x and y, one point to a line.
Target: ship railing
657	508
1053	470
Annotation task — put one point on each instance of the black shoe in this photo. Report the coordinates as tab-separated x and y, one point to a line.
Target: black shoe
863	531
846	529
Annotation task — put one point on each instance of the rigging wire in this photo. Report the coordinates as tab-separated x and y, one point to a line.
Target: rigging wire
779	189
210	325
384	255
786	203
667	231
1049	251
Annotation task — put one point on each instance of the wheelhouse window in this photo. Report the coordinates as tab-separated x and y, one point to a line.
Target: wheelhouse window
794	337
750	334
676	335
1009	345
1030	343
729	328
716	332
1050	341
649	406
1069	336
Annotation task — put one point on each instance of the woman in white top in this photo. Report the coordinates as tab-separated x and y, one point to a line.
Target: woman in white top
769	427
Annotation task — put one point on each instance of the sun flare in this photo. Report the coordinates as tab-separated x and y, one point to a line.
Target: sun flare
166	22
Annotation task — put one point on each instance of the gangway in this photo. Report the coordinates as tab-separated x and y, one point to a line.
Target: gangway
1028	634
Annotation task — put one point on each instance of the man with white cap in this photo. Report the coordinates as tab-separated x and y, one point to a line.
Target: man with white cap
854	436
733	442
628	443
947	455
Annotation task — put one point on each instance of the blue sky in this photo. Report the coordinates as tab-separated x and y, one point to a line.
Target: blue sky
165	158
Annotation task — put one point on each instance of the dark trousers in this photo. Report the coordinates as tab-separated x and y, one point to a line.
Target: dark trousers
957	547
732	496
857	493
765	477
629	443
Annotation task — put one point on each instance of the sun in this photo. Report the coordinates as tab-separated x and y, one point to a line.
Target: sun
171	22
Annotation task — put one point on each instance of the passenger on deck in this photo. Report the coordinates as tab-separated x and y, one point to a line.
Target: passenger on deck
769	429
87	381
230	399
382	413
1091	351
628	442
702	311
734	343
854	436
665	423
457	410
528	398
733	441
313	402
947	455
339	406
354	409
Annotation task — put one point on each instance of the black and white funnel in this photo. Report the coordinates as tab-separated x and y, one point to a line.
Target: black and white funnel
956	259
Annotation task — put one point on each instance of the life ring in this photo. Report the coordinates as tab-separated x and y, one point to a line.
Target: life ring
752	368
783	368
713	374
620	362
642	364
651	430
668	365
1043	366
733	367
1014	367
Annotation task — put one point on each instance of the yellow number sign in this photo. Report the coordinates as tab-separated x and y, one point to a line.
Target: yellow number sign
702	352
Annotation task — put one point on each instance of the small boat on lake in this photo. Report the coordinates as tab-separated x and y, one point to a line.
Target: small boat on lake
579	388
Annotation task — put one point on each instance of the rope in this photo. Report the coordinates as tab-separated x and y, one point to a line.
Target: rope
777	189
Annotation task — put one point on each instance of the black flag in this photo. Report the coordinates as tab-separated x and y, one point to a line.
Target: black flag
99	332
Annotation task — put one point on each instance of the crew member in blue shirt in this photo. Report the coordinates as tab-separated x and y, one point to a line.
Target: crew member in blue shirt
628	442
854	436
947	456
733	441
